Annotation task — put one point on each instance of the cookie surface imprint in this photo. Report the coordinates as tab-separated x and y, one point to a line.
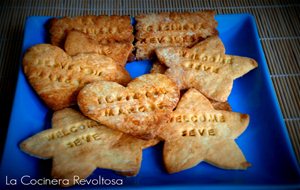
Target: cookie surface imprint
205	67
57	77
197	132
172	29
78	42
137	109
79	145
104	29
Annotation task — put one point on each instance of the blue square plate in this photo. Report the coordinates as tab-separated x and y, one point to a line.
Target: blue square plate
265	143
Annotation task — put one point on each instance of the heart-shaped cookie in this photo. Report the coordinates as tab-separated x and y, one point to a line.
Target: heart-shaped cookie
57	77
138	109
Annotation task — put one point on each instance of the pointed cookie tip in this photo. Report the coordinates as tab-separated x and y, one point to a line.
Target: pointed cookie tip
245	165
254	63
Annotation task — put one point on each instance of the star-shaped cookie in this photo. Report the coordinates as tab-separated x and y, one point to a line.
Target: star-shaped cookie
79	145
205	67
197	132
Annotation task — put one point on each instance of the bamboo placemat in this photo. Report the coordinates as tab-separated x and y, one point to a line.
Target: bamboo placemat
278	24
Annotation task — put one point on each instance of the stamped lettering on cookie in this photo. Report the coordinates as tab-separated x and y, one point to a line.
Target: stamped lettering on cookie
77	42
57	77
172	30
79	145
197	132
138	109
104	29
205	67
